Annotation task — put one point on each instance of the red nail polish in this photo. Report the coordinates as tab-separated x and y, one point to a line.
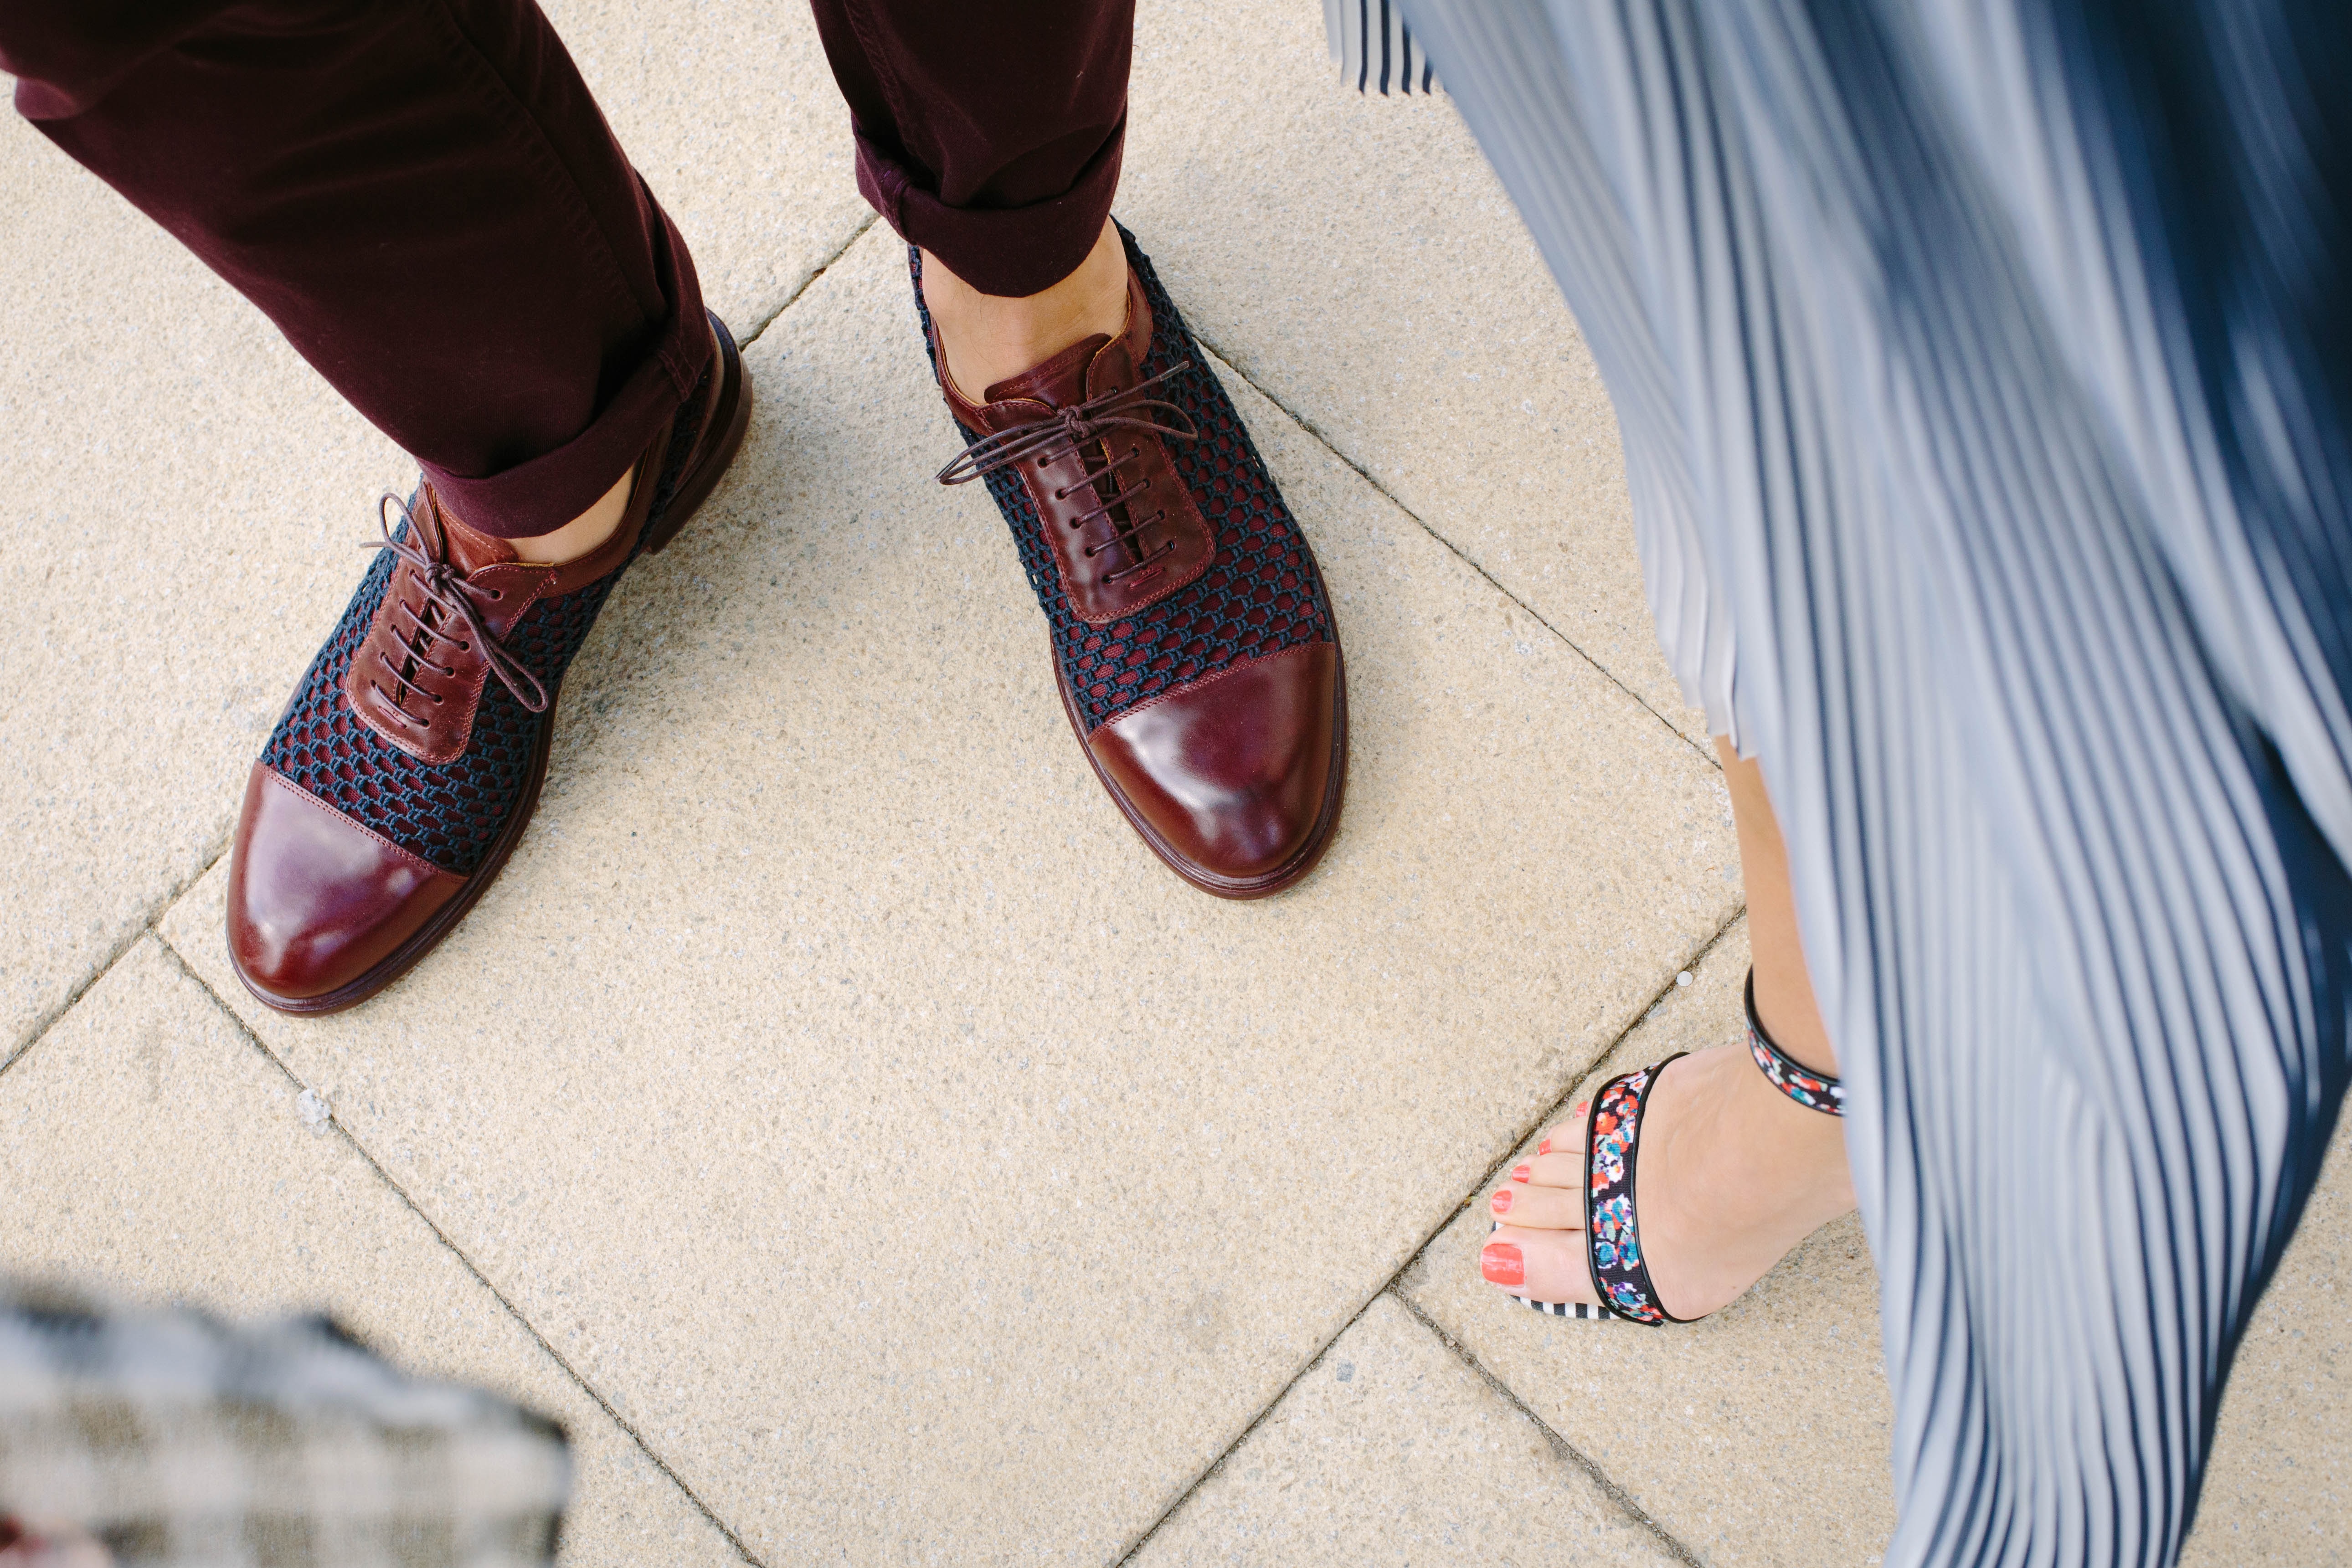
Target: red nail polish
1502	1265
1544	1147
1520	1173
1500	1203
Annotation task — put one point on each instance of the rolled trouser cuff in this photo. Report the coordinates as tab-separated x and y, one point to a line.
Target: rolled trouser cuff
1011	252
541	494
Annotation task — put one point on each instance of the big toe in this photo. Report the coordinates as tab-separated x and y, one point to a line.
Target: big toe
1540	1265
316	901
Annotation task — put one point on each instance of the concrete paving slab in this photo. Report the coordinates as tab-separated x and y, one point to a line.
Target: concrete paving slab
728	109
147	1148
1391	1451
1357	259
840	1085
1728	1432
184	499
2279	1487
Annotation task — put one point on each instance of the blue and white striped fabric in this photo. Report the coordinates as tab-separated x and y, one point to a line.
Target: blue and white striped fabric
1374	48
1983	368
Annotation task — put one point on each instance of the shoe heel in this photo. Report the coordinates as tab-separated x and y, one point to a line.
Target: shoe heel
732	416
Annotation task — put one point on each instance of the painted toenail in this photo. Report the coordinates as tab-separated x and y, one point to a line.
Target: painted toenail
1520	1173
1500	1203
1502	1265
1544	1147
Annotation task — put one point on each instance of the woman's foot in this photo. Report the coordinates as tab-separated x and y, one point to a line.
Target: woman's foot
1731	1174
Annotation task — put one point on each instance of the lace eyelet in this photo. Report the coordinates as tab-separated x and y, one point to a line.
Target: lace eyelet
497	593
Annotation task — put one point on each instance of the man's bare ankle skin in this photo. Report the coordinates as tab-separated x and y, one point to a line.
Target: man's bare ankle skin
990	338
582	535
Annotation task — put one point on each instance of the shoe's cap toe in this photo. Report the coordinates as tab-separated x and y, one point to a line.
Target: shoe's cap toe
316	901
1233	774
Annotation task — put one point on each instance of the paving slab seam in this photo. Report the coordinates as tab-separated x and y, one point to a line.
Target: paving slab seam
1210	1471
1559	1106
793	298
1552	1112
1304	423
152	925
1389	1287
1559	1445
734	1540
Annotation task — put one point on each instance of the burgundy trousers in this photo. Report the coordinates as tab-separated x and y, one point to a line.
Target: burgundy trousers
424	199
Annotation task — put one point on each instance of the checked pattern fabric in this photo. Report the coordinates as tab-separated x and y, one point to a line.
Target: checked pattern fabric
174	1438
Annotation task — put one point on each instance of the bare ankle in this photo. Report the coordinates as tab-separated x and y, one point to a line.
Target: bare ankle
1734	1173
584	534
990	338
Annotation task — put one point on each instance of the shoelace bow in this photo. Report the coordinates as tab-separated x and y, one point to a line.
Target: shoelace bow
1074	427
443	585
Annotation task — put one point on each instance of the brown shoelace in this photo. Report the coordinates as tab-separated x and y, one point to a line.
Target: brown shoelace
448	614
1075	428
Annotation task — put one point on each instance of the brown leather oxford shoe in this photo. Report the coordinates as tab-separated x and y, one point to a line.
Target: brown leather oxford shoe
401	774
1194	645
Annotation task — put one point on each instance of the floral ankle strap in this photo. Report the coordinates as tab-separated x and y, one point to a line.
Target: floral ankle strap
1811	1089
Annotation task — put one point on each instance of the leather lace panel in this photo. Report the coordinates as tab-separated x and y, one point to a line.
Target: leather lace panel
452	814
1262	593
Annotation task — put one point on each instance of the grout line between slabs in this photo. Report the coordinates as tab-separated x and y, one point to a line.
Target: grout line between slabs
151	921
794	297
1429	1237
1365	474
458	1252
1559	1445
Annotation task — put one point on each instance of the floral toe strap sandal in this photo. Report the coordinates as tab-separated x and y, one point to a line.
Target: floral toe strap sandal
1612	1145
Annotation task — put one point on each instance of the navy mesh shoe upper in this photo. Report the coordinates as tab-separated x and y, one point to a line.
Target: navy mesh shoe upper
1261	594
450	815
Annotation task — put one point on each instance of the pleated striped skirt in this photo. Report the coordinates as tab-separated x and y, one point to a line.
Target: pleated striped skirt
1983	372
